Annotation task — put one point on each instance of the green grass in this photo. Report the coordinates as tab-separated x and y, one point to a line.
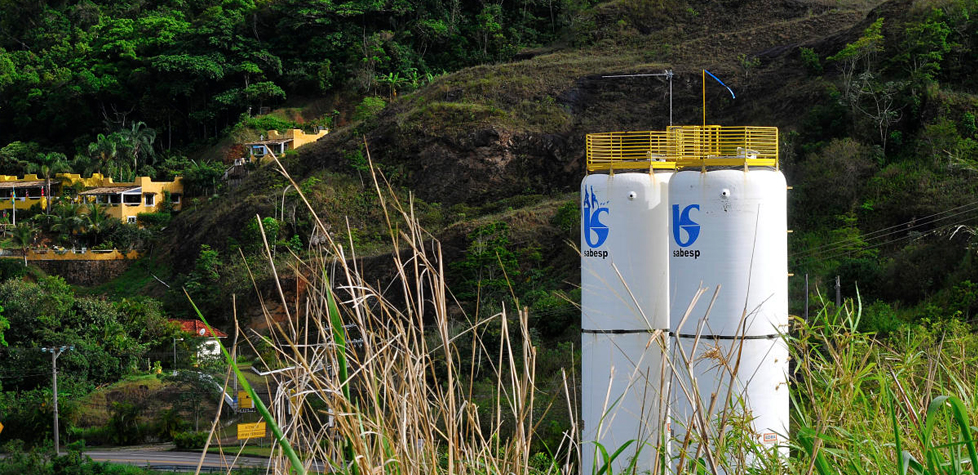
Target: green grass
905	404
136	280
246	451
93	409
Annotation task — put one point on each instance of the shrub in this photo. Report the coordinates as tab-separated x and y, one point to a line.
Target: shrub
859	273
78	445
90	435
104	246
357	160
568	218
252	235
20	460
128	237
553	315
153	220
368	109
11	268
968	124
810	59
489	263
124	423
72	463
190	440
832	178
295	244
880	318
269	122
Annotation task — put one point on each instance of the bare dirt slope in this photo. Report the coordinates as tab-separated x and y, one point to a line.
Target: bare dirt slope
499	131
494	131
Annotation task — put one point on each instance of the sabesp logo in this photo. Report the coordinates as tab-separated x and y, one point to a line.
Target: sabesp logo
595	232
682	222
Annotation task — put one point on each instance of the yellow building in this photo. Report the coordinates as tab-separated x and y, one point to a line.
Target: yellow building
21	193
122	200
278	143
126	200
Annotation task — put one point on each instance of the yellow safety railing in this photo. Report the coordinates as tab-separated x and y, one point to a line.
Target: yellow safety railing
628	151
716	146
684	147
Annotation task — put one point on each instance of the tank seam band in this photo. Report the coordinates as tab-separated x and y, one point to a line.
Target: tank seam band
686	335
621	332
729	337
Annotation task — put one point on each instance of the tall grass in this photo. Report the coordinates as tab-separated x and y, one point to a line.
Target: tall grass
899	405
861	404
381	379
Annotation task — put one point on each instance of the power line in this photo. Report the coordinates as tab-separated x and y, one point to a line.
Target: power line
907	226
933	231
895	226
22	375
896	229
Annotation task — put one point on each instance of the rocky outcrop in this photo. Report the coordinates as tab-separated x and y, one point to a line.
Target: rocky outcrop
87	273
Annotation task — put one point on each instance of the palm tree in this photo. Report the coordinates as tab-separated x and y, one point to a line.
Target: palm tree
200	177
104	150
47	165
99	222
138	142
69	220
392	81
22	236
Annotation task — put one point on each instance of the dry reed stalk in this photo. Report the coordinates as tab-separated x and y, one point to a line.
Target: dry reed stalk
409	405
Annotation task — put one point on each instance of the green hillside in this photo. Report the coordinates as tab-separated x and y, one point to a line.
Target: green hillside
473	115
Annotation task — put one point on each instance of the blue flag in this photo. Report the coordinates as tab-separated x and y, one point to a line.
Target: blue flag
721	83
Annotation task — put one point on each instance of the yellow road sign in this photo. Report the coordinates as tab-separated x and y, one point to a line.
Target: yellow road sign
245	401
251	431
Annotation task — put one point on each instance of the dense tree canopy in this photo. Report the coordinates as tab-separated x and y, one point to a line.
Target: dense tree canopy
110	338
75	69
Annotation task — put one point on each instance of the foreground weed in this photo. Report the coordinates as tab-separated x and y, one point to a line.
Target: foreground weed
846	380
259	405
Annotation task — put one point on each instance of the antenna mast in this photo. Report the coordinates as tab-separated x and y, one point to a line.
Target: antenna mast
667	74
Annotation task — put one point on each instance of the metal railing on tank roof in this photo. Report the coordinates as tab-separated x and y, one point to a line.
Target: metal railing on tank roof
682	147
714	145
627	151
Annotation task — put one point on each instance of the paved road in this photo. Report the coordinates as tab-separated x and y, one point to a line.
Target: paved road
181	460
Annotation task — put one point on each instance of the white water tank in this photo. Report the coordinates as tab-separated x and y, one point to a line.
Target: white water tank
728	229
624	300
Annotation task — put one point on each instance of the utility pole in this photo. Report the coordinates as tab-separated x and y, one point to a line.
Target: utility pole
55	353
175	355
806	297
838	292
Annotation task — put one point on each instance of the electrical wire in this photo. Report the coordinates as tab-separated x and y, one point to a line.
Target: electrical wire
901	225
902	238
20	375
899	228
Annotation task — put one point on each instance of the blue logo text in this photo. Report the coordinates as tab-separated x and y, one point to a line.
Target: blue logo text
682	222
595	232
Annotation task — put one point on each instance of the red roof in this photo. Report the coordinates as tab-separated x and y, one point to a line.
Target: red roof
198	328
